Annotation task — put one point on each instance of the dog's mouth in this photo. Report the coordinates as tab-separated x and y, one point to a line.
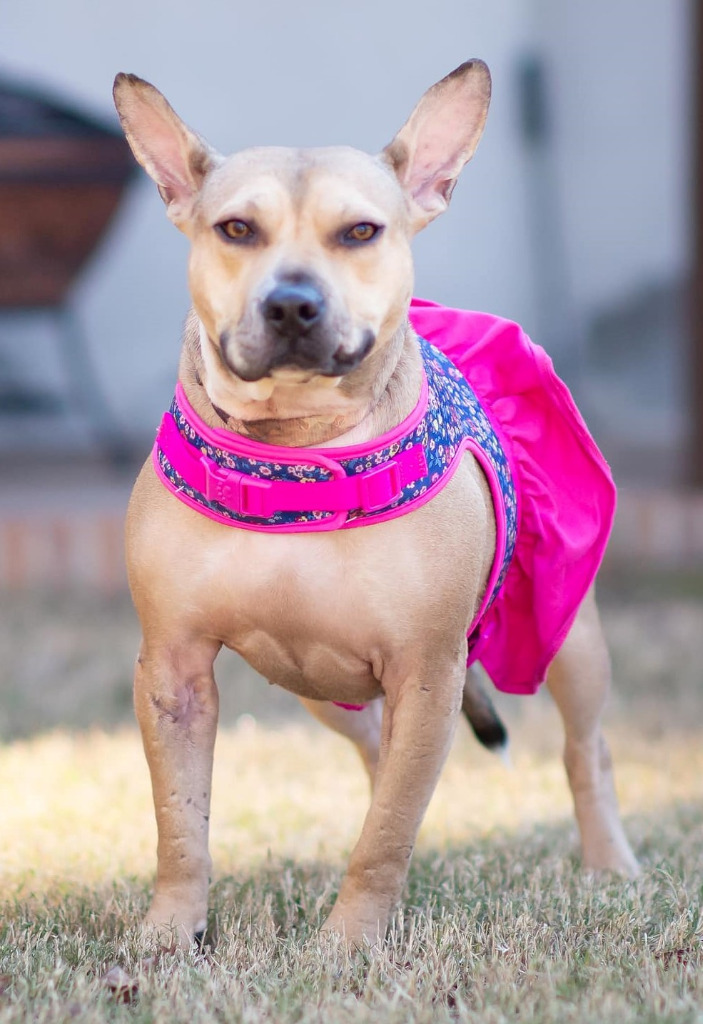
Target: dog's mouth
295	357
293	333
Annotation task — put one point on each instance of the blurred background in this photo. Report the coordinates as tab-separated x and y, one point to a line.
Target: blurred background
579	217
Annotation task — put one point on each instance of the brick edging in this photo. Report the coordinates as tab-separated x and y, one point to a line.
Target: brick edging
61	552
658	529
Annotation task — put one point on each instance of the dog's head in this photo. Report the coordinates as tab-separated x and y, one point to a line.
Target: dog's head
300	263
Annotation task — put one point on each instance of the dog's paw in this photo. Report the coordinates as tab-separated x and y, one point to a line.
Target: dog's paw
169	927
356	927
618	859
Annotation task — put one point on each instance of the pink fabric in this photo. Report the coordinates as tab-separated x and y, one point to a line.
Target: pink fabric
566	495
199	474
370	490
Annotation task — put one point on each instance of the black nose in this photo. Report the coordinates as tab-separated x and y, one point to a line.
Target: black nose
293	308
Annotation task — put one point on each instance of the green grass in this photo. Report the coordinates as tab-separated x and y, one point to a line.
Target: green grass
497	923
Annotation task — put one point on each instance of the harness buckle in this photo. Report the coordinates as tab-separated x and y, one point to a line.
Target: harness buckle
245	495
380	486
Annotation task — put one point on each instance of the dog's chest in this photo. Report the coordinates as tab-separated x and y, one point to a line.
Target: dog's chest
325	615
297	612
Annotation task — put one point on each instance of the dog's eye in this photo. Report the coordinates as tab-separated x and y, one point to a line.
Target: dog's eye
237	230
361	233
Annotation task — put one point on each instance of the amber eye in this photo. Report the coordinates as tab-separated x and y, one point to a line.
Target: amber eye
237	230
361	233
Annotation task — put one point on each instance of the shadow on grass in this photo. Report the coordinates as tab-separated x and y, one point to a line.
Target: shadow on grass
534	871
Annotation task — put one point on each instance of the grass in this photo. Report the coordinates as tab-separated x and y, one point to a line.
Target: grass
497	924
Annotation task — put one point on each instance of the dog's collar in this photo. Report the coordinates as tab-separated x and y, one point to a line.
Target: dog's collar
232	480
256	486
261	486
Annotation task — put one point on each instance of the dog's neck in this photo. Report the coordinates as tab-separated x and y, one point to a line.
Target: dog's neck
365	404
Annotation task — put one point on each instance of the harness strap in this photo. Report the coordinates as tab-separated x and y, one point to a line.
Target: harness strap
370	490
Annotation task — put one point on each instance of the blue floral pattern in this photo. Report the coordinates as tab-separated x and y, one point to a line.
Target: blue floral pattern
453	414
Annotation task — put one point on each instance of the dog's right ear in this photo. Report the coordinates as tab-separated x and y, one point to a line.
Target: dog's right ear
174	156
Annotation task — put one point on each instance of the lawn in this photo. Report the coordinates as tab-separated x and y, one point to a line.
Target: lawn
497	924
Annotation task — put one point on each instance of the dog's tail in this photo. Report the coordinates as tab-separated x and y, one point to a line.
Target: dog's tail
481	715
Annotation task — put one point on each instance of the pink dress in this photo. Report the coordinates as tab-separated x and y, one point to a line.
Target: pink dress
565	492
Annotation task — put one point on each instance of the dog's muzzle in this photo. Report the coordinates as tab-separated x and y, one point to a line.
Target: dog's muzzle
297	331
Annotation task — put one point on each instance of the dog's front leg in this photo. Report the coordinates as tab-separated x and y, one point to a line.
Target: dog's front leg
419	719
176	702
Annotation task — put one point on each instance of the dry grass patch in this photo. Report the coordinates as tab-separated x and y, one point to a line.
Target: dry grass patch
498	923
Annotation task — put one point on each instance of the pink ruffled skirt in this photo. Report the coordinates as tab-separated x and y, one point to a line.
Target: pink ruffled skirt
565	492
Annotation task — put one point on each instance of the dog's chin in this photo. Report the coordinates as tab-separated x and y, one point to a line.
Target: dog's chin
290	376
287	376
286	380
293	373
301	367
234	392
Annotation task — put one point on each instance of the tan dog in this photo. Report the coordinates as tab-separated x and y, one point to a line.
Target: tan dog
355	615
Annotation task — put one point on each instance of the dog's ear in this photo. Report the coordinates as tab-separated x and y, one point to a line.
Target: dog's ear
438	138
173	155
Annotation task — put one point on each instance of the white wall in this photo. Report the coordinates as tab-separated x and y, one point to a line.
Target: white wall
620	71
272	72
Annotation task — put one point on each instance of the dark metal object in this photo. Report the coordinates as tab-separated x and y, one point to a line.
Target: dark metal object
62	176
533	100
61	179
558	325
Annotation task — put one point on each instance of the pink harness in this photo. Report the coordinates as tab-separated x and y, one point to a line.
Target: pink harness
553	495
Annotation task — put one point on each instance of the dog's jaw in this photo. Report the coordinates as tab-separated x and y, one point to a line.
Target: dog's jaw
291	407
258	390
296	408
242	399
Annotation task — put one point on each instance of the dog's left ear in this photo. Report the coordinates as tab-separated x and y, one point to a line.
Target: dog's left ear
438	138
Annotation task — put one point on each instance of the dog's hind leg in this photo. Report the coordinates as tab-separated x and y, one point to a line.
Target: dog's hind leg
362	727
579	681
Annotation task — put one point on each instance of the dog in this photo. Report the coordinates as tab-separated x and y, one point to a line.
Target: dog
298	354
